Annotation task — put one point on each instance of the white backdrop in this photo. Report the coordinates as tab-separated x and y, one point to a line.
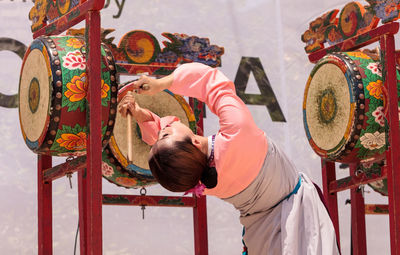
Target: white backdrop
266	29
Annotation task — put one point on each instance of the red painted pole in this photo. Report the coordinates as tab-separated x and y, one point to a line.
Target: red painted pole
328	175
82	191
200	210
392	155
200	227
93	176
45	217
358	234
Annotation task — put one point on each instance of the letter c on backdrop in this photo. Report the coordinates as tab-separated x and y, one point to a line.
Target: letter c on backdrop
11	101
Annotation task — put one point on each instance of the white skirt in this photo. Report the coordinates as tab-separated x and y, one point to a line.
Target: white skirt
277	224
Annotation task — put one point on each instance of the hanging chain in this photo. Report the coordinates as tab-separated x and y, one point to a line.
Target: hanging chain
69	174
143	192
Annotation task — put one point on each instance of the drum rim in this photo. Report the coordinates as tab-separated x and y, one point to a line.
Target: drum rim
40	144
353	77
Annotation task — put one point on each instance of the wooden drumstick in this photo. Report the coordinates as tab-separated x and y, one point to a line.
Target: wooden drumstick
129	133
129	126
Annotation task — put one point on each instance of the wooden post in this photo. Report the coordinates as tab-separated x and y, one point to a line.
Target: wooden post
93	178
392	155
200	210
200	226
82	191
328	175
358	234
45	217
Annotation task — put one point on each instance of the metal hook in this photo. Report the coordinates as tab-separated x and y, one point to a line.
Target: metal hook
83	51
358	172
143	192
69	176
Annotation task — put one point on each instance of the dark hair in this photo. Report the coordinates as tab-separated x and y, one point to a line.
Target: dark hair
181	166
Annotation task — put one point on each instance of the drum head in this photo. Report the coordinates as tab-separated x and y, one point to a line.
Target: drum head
34	95
163	104
327	107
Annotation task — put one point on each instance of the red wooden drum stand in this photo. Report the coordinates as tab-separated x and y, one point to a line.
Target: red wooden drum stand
383	34
90	194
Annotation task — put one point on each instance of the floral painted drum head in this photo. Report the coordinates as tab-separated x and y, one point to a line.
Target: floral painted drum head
344	108
53	96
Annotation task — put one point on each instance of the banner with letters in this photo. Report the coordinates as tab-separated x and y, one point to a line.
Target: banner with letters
264	56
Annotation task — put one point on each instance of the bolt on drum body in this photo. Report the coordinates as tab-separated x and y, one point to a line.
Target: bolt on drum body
53	96
344	108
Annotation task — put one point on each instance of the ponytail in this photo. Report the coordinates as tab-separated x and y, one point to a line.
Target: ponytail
209	177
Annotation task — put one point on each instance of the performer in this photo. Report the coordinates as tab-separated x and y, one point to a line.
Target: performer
280	208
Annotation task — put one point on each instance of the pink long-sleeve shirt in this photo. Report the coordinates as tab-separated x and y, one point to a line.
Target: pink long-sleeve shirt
240	146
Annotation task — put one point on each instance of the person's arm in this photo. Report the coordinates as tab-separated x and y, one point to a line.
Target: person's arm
149	123
209	85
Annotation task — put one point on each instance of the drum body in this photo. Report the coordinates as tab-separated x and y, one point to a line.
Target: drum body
163	104
52	96
344	108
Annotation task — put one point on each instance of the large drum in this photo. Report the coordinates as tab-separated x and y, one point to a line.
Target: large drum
133	174
344	106
52	96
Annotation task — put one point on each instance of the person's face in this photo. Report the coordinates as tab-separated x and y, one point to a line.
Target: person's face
175	131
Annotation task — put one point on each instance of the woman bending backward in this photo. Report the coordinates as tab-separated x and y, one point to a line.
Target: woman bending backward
280	208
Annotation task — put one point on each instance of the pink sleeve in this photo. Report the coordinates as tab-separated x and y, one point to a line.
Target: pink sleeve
240	146
211	86
150	129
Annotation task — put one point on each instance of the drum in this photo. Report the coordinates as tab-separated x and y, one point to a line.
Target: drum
344	108
52	96
163	104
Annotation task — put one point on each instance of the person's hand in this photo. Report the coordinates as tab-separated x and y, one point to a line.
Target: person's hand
128	104
150	86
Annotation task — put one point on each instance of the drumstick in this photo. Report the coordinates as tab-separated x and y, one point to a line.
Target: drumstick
129	133
129	127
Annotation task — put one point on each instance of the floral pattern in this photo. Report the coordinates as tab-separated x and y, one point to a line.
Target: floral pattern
375	89
126	181
72	141
379	116
386	10
74	43
374	68
373	141
74	60
358	54
106	169
77	88
104	89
